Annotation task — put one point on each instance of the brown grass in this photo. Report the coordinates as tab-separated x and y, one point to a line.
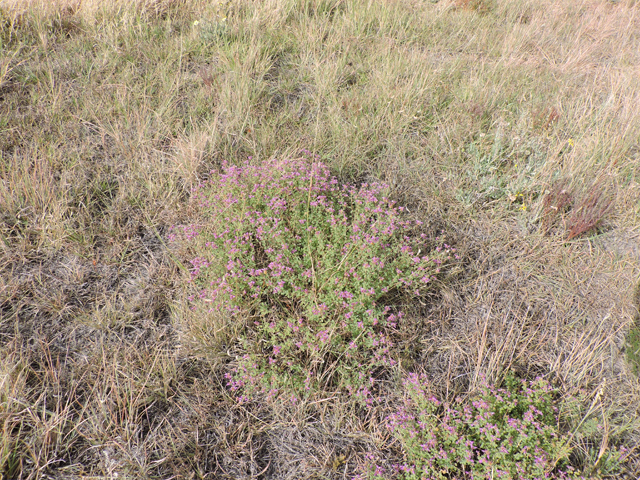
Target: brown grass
589	211
555	203
111	112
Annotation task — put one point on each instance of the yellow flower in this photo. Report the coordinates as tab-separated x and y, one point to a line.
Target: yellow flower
571	142
523	208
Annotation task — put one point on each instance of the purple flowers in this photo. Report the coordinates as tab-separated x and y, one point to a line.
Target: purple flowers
303	264
509	433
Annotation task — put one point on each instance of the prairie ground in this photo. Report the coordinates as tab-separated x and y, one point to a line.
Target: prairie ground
513	126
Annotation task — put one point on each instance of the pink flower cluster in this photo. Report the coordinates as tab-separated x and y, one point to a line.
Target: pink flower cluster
315	265
507	433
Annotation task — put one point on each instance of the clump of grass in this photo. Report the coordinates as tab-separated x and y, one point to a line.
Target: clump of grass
580	213
633	338
511	433
12	386
555	203
315	267
546	118
590	210
480	6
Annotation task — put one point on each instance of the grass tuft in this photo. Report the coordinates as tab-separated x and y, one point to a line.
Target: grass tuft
589	210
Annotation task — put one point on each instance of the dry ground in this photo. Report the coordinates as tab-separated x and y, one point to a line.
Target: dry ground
513	125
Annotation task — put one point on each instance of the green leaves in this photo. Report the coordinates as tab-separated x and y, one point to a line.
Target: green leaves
311	262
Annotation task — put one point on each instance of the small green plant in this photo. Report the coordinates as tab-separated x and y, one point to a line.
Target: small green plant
312	270
215	28
485	173
508	433
211	31
633	349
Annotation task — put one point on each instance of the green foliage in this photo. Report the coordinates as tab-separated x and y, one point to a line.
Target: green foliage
317	268
633	349
511	433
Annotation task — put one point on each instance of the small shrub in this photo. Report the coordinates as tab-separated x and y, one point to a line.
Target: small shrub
507	433
312	270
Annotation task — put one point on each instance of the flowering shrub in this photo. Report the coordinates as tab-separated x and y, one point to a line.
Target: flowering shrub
312	268
509	433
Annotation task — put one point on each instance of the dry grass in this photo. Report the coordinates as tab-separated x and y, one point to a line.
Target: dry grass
511	124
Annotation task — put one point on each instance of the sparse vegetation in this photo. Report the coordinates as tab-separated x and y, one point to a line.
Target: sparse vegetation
510	125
